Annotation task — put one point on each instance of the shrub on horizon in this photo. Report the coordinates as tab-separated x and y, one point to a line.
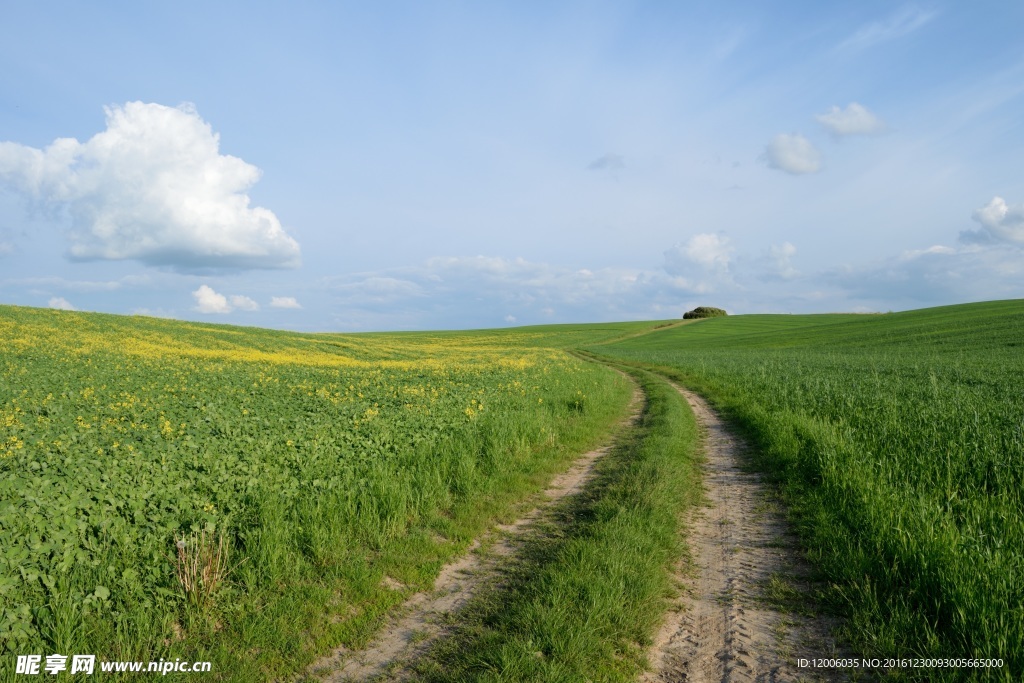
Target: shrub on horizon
704	312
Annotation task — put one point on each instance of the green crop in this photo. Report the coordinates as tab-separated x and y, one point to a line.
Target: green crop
900	440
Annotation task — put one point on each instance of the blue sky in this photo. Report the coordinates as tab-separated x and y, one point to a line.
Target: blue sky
374	166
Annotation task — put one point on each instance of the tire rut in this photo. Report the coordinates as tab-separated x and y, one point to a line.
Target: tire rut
420	621
729	625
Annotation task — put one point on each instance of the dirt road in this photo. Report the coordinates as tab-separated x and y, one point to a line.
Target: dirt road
741	617
735	621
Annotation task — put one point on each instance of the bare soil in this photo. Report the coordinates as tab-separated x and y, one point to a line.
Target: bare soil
421	619
743	615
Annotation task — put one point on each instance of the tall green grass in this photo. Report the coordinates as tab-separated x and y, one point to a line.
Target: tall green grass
899	440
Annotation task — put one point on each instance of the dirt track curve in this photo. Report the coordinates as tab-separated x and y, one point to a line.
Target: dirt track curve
727	627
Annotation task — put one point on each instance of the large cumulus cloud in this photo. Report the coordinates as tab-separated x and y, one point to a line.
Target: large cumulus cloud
152	187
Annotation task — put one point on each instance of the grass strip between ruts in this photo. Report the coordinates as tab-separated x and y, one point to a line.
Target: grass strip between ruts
584	598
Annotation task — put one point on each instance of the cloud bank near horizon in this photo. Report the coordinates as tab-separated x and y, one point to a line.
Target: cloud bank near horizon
706	269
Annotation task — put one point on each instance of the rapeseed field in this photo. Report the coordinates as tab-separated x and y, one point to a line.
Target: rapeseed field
307	467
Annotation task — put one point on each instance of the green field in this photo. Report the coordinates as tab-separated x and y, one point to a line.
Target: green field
325	462
332	468
899	439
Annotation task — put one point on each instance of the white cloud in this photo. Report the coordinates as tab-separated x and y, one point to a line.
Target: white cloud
244	303
6	248
898	25
934	249
61	303
153	187
854	120
705	252
284	302
711	251
793	154
209	301
780	259
510	319
1000	222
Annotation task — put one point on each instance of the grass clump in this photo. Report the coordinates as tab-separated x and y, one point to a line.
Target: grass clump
202	565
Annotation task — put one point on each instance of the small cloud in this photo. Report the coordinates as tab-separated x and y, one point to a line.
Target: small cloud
780	259
1000	222
244	303
707	250
701	265
935	249
510	319
609	162
711	251
209	301
284	302
61	304
898	25
6	248
854	120
793	154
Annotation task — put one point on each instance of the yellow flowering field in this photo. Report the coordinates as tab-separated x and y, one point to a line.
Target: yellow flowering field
320	461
